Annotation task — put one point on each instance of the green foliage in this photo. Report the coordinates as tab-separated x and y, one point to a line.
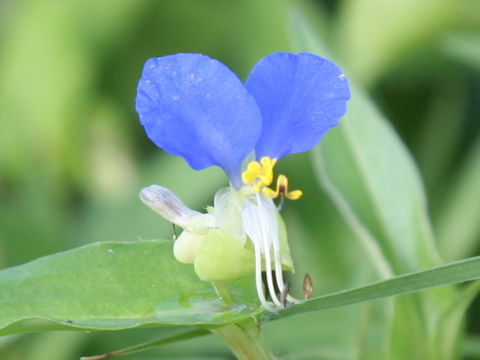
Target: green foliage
107	286
104	286
73	157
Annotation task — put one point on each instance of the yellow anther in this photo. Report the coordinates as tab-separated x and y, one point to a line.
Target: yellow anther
250	175
266	174
259	174
282	189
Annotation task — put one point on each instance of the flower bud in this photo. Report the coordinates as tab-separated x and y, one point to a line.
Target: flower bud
186	247
222	258
167	204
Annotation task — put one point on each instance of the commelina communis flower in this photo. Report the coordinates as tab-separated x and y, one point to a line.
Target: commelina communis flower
195	107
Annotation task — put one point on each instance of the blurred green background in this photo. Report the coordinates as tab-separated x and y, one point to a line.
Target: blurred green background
73	154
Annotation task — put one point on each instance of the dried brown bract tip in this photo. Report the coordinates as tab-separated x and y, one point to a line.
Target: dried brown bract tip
307	286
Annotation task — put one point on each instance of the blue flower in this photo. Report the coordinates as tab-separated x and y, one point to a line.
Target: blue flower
195	107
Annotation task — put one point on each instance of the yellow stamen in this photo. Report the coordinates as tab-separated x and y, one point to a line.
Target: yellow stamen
259	174
266	175
250	175
282	189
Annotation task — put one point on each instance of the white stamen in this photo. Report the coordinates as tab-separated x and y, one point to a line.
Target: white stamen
273	229
266	249
258	277
252	231
278	260
260	222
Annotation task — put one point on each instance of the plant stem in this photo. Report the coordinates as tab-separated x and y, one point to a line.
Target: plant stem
245	341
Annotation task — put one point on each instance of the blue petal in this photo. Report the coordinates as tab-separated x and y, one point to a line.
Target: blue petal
195	107
300	98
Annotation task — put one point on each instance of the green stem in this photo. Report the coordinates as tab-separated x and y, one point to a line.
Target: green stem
245	341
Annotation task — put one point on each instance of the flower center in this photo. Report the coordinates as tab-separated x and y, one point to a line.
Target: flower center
260	176
261	223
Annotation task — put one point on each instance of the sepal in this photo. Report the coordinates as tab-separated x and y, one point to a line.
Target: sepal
222	258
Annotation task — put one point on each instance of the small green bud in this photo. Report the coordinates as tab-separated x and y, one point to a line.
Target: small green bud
222	258
186	247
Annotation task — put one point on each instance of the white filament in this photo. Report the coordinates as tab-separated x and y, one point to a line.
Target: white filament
261	225
249	216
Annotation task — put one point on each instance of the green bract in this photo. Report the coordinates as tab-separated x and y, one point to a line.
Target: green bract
215	242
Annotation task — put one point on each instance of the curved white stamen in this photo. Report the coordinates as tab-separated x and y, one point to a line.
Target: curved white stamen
249	222
266	249
278	260
258	277
272	228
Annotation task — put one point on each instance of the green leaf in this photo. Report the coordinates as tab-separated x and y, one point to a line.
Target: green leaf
152	344
45	346
374	36
463	47
439	139
452	273
375	185
371	177
369	174
471	348
458	227
451	322
112	286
